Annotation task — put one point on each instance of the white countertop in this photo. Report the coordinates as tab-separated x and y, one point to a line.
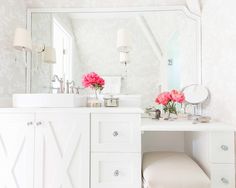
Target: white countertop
183	125
79	109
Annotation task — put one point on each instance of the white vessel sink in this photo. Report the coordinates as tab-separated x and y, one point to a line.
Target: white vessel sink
49	100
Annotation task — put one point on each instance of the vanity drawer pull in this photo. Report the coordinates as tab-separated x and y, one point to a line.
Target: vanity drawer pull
116	173
29	123
224	148
115	134
224	180
39	123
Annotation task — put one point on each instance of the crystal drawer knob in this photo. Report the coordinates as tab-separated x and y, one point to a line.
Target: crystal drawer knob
29	123
116	173
224	180
115	133
224	147
39	123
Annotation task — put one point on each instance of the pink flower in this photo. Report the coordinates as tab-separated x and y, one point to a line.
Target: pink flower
177	96
163	98
93	80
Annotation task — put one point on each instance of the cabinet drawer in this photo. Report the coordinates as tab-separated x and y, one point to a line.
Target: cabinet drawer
115	133
222	147
223	176
115	170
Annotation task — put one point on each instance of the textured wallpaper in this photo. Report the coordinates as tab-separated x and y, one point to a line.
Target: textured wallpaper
219	58
12	13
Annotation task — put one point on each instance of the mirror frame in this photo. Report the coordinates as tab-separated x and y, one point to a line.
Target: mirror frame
129	11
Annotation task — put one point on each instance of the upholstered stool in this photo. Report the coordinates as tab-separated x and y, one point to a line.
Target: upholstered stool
172	170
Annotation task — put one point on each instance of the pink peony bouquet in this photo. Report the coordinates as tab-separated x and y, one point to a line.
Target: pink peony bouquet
169	101
93	81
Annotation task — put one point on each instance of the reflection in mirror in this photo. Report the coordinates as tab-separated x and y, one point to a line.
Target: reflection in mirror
164	54
195	94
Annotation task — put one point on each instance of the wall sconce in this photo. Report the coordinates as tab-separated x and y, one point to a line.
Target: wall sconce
123	41
23	42
48	54
124	47
124	59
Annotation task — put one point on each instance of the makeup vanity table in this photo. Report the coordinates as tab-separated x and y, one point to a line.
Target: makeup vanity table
102	147
211	145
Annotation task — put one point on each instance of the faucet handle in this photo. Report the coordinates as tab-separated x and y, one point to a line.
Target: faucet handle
70	86
74	90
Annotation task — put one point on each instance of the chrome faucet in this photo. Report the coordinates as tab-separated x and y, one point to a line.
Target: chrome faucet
69	89
61	82
75	90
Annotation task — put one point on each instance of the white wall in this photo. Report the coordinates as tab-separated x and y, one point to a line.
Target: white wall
219	57
12	13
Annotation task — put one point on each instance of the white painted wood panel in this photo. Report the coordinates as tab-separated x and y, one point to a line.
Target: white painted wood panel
197	147
163	141
16	150
222	147
184	125
115	133
115	170
223	176
62	150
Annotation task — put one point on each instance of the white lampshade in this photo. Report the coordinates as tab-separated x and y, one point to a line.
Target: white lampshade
124	57
49	55
123	41
22	40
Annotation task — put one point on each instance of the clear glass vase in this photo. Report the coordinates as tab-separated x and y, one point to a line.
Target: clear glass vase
94	101
170	114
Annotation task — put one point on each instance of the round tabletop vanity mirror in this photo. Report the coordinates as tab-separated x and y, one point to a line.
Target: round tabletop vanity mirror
196	94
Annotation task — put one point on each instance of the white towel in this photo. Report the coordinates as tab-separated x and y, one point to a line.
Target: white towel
112	85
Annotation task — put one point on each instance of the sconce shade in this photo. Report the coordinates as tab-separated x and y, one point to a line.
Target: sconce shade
123	41
124	57
22	40
49	55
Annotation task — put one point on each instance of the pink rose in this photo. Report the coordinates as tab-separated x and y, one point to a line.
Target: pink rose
177	96
163	98
93	80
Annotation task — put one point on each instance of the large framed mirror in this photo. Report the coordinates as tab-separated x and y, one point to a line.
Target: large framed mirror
165	47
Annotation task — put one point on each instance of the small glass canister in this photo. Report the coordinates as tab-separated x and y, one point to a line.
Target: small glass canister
111	101
153	112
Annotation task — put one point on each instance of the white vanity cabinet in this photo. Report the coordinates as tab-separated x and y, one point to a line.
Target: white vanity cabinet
116	150
222	159
102	147
45	149
211	145
16	150
62	150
